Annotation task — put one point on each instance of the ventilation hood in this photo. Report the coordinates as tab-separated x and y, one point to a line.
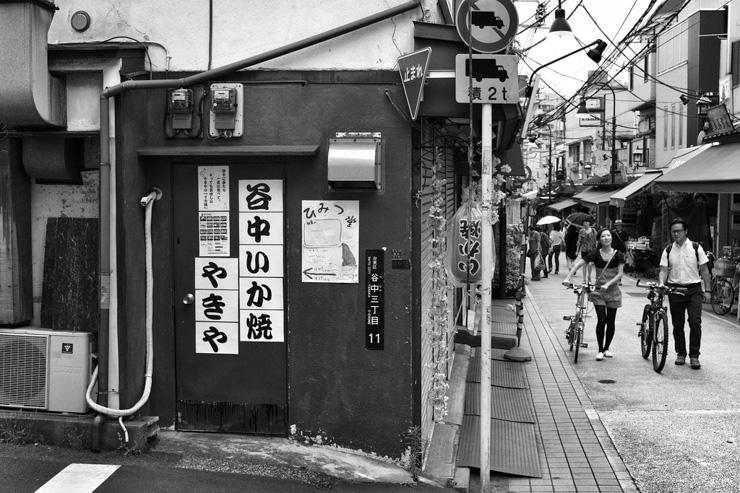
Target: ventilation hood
30	96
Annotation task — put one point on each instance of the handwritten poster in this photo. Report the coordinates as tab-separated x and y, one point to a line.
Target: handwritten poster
213	215
331	240
261	252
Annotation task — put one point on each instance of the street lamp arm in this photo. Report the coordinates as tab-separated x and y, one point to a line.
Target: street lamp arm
528	91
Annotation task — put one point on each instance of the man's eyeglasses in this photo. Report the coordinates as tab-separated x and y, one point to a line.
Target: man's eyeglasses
674	231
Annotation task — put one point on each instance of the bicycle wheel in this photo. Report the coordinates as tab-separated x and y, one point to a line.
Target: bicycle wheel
579	337
660	340
571	333
646	335
722	296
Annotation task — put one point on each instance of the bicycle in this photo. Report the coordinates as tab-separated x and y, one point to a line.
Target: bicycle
724	286
653	331
574	333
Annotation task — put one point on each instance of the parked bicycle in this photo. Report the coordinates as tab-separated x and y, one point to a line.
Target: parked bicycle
653	331
724	285
574	333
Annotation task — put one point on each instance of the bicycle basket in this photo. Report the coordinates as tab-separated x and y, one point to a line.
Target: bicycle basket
723	267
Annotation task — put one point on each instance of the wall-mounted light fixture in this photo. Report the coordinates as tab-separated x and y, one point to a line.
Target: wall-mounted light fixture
355	161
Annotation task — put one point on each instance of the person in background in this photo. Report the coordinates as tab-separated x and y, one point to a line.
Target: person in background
702	134
570	239
545	245
684	264
587	243
607	297
619	237
533	251
557	238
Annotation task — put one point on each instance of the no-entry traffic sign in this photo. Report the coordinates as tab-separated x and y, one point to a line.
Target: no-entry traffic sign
486	26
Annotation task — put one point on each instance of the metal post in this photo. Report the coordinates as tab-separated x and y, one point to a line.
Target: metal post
614	134
485	293
549	165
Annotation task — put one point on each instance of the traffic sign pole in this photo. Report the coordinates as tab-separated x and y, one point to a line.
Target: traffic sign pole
485	293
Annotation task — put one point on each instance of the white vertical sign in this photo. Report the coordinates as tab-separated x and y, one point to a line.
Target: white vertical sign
261	252
213	215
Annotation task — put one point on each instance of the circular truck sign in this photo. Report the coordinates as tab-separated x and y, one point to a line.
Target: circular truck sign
486	26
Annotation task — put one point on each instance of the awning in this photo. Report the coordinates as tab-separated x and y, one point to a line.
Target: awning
683	155
715	170
618	198
593	196
563	204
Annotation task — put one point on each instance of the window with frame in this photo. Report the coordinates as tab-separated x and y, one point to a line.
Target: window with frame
673	125
735	63
665	127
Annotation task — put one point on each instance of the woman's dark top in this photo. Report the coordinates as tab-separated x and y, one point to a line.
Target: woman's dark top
599	261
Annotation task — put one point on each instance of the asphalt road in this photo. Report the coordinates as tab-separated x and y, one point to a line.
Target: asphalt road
678	431
27	468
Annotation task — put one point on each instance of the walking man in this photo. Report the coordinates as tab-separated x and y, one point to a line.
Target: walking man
684	264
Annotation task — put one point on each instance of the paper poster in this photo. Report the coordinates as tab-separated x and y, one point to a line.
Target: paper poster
213	188
216	273
331	242
213	234
261	261
216	338
262	326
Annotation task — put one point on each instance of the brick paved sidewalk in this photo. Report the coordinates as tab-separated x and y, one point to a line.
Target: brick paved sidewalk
576	452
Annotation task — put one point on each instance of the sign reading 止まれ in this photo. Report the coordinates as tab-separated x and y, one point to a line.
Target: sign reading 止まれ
331	240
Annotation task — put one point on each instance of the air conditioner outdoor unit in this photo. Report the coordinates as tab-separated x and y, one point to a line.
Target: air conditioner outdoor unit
44	369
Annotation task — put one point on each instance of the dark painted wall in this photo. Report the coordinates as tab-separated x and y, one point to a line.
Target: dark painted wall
703	60
357	397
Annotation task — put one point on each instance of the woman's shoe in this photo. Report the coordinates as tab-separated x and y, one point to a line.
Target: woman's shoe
599	356
608	354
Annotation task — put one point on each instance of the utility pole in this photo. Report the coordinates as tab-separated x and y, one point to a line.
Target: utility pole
549	165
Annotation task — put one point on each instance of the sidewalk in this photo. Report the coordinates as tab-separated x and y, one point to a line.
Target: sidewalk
576	452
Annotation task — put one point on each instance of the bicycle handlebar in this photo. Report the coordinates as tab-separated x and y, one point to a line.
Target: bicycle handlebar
657	287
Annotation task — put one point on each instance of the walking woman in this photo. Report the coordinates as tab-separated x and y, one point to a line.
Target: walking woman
571	239
556	237
607	296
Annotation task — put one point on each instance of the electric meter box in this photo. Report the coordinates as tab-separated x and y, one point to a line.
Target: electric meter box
226	118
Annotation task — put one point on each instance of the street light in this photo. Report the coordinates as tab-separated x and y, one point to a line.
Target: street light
583	110
560	26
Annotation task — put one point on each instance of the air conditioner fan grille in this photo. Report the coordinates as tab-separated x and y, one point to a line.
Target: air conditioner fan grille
23	362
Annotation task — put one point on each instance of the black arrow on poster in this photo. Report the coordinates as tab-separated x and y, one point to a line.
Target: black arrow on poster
413	69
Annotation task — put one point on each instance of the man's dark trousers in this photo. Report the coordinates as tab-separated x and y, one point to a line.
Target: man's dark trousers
691	302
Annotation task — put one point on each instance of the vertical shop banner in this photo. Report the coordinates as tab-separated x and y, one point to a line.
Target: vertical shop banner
216	305
331	240
374	300
213	211
261	261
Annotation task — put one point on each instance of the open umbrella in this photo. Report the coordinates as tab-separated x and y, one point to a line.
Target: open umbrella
579	217
548	220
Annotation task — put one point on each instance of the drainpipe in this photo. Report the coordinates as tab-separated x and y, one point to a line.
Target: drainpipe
108	281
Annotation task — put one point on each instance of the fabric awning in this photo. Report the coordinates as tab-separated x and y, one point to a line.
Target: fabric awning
683	155
715	170
620	196
593	196
563	204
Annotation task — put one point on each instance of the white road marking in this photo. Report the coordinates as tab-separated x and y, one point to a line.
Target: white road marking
79	478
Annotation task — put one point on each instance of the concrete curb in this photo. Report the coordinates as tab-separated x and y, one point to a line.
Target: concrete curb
76	431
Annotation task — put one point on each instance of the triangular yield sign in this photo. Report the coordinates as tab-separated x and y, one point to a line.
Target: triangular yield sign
413	70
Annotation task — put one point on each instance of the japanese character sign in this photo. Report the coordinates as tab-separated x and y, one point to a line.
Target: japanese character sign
213	206
261	252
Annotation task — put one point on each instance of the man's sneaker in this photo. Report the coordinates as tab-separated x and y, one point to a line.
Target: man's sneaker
695	365
680	359
608	354
599	356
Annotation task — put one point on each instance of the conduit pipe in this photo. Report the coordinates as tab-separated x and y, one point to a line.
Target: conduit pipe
107	217
147	202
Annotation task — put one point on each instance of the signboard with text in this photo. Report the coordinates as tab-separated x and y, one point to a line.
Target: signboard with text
492	79
413	69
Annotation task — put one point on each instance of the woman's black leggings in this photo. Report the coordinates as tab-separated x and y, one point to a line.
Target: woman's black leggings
605	317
